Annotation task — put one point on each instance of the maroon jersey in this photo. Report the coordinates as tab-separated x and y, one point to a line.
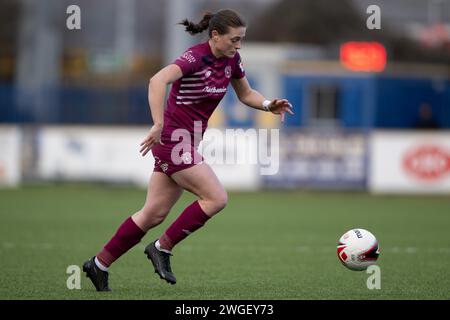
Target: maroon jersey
197	93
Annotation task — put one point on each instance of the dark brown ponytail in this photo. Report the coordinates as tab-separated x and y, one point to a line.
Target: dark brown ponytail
194	28
219	21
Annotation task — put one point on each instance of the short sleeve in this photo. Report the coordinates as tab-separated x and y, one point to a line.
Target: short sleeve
238	71
189	62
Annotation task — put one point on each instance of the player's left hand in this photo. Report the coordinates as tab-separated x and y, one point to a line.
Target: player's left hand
151	139
280	106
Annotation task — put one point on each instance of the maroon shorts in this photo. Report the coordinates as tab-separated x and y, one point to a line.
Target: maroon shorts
171	158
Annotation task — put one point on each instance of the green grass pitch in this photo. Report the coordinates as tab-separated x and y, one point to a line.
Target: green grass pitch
265	245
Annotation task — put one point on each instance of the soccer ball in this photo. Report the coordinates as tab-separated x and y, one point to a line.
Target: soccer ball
358	249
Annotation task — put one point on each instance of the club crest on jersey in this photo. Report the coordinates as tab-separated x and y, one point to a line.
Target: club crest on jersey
228	71
164	167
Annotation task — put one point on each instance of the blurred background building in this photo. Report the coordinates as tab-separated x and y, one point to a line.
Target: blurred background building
65	93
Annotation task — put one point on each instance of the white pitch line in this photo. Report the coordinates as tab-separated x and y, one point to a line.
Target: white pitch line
34	246
8	245
299	249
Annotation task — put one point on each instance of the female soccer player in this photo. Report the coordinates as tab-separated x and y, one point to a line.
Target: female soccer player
199	78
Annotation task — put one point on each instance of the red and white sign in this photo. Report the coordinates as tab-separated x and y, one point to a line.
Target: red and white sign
410	161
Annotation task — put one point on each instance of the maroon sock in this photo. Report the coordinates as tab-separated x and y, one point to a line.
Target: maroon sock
191	219
126	237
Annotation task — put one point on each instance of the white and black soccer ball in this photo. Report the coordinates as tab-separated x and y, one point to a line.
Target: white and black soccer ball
358	249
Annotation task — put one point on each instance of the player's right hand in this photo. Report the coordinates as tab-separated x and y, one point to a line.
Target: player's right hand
153	137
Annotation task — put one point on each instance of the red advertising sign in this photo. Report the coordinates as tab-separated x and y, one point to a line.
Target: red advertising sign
427	162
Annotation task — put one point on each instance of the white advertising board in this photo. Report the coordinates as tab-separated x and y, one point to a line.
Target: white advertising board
10	156
111	154
410	161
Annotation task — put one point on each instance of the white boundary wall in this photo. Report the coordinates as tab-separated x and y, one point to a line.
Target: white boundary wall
399	161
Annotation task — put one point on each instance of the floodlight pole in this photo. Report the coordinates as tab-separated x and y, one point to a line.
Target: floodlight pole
176	39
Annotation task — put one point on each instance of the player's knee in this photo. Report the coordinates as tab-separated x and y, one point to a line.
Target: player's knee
155	216
159	218
220	201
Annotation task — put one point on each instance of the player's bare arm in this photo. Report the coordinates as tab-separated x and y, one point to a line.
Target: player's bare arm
256	100
156	92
